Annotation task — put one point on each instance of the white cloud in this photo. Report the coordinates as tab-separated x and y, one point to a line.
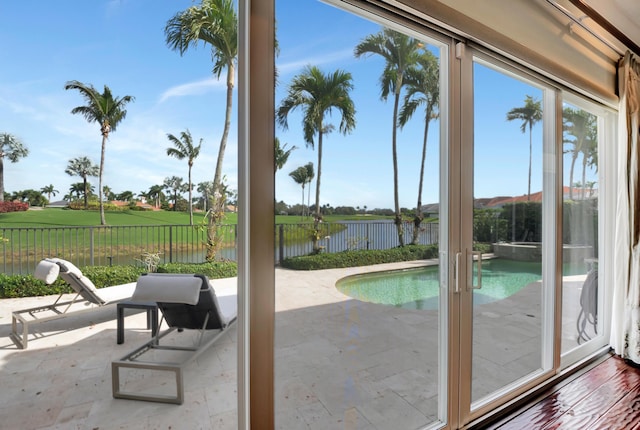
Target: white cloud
192	88
326	58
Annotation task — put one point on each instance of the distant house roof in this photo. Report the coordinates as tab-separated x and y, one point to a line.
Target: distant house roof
58	204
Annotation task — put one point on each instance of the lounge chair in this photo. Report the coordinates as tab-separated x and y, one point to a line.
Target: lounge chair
187	302
86	298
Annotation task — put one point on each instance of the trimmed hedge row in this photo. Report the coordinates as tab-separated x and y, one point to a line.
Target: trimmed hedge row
16	286
361	257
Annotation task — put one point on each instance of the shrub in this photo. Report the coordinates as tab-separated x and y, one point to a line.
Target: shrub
27	286
6	207
213	269
361	258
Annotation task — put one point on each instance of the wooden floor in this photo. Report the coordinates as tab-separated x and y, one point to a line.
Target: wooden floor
605	397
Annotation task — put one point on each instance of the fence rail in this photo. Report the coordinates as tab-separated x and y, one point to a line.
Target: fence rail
22	248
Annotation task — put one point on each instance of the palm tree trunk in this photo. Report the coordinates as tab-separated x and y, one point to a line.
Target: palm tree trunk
84	182
190	205
302	213
102	219
530	160
1	179
584	174
318	217
574	156
417	220
215	218
396	198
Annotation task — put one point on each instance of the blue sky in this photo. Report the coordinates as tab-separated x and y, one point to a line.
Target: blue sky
120	43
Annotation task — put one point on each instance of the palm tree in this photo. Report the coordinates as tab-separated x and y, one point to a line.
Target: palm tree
317	95
125	196
574	124
214	22
81	189
106	110
174	184
281	154
12	149
78	189
206	188
303	175
49	190
183	148
400	53
83	167
108	193
529	114
423	89
155	193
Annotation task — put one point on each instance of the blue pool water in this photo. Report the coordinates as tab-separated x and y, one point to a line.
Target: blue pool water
419	288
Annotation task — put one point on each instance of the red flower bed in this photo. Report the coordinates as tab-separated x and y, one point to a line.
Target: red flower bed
13	207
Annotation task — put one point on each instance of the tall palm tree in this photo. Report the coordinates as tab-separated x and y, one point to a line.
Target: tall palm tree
49	190
12	149
400	53
106	110
281	154
183	148
303	175
83	167
423	89
317	95
215	23
529	114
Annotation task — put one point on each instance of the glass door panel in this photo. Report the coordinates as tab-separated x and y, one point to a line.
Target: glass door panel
507	232
355	349
582	300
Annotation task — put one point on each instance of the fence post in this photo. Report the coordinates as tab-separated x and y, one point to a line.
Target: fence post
91	244
170	244
281	244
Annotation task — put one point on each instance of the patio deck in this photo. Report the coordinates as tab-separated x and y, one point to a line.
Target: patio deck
340	363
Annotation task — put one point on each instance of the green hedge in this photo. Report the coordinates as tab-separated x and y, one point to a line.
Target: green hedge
16	286
361	258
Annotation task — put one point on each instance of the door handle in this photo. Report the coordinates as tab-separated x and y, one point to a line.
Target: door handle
457	271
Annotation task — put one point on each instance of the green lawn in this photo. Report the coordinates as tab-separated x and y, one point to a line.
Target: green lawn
66	217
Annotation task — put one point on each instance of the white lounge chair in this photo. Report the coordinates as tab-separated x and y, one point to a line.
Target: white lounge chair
186	302
87	298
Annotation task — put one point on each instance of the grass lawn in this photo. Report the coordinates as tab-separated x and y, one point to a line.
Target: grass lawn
66	217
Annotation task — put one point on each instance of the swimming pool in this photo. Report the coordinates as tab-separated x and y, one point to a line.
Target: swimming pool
418	288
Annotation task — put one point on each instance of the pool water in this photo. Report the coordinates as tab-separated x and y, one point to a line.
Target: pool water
419	288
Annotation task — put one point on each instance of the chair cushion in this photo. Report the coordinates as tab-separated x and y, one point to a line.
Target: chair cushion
47	271
168	288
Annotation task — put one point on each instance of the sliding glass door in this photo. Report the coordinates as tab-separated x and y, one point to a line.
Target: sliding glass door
461	153
509	274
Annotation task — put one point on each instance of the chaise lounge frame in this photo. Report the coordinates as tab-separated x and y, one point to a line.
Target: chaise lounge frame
185	304
86	299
